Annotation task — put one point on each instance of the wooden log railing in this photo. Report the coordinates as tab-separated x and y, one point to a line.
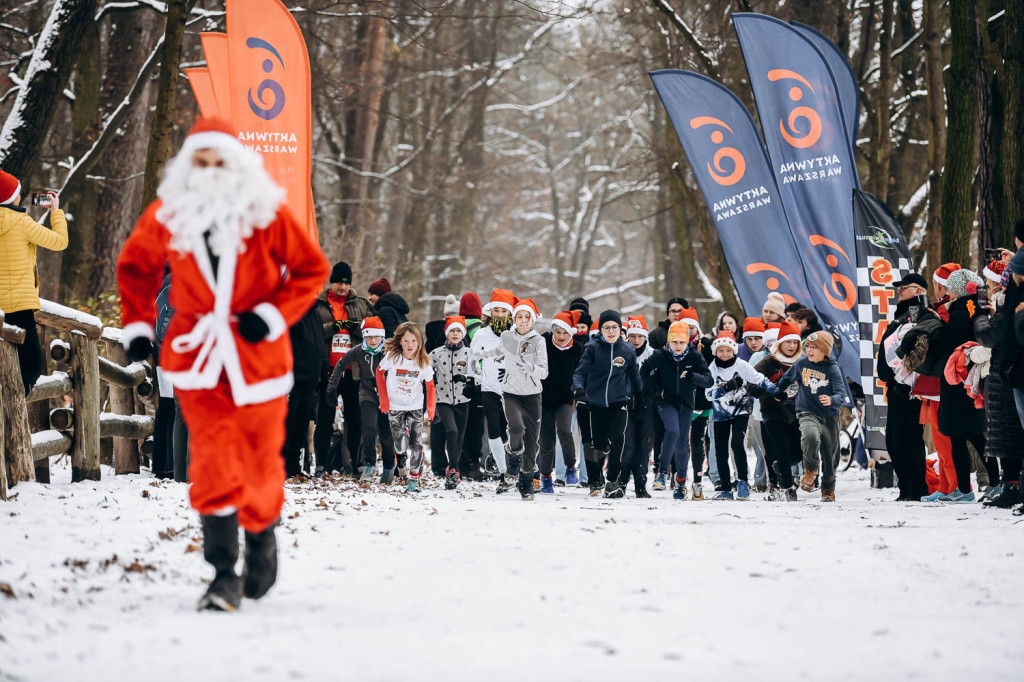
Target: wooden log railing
76	429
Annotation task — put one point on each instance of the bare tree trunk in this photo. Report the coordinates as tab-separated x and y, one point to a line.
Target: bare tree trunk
957	181
161	133
882	148
17	438
1013	115
989	148
28	124
933	30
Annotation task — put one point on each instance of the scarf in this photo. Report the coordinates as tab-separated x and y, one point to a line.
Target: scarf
373	351
567	346
783	360
726	363
500	324
457	346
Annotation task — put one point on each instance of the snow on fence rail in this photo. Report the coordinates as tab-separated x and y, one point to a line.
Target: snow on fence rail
76	429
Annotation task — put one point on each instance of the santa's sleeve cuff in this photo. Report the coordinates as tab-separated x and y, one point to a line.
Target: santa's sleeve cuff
136	330
275	321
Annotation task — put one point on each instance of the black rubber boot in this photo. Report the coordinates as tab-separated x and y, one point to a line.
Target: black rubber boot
220	549
260	571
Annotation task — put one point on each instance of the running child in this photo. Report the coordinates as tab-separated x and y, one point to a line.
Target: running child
451	363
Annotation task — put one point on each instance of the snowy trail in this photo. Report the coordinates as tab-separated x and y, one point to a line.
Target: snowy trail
376	585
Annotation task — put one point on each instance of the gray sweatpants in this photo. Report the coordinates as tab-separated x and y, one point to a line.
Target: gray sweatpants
407	431
819	442
523	415
558	421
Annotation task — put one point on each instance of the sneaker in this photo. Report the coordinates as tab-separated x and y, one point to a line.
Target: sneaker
369	471
403	474
536	485
413	485
545	486
504	484
319	472
451	479
724	495
641	493
828	494
387	476
934	497
742	490
596	489
760	488
953	496
679	489
659	482
559	483
696	491
1008	497
966	498
572	476
789	494
614	490
807	480
1019	511
774	494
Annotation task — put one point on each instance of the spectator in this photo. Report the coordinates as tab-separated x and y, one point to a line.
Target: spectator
20	235
309	357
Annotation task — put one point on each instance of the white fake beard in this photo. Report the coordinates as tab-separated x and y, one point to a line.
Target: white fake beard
229	202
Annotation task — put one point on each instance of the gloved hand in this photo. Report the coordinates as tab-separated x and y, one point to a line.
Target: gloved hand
252	327
580	394
472	390
459	379
345	326
734	383
139	349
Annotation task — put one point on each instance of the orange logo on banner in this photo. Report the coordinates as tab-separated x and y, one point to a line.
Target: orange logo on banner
257	77
789	129
842	285
739	164
772	282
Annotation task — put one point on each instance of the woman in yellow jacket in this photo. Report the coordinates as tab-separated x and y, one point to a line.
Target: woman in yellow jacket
19	277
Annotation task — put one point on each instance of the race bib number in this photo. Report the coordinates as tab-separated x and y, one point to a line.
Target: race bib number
341	343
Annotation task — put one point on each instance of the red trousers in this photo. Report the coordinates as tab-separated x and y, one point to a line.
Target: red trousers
235	455
947	473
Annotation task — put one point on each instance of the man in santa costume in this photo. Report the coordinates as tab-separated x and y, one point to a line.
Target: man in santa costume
244	271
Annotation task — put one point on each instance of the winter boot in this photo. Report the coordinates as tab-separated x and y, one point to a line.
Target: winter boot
697	491
679	489
789	494
807	480
451	479
260	572
724	495
368	472
536	483
742	490
774	494
504	484
413	485
525	486
572	476
596	485
1009	497
545	485
387	476
828	494
514	461
614	490
220	549
659	482
640	483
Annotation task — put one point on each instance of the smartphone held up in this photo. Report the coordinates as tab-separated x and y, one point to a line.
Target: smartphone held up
43	198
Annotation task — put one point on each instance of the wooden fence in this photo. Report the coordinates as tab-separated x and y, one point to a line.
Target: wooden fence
44	424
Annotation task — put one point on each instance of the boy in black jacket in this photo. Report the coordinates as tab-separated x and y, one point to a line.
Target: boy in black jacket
564	353
822	392
672	374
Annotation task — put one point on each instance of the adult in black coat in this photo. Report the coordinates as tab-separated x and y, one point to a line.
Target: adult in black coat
309	358
904	433
674	309
959	419
391	308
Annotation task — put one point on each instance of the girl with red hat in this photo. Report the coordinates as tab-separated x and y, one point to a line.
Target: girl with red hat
564	350
451	368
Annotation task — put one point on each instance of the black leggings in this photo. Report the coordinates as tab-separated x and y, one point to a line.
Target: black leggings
452	419
781	449
375	424
698	451
30	352
494	414
738	426
608	426
962	458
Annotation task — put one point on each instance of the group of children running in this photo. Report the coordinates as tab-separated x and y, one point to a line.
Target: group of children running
631	394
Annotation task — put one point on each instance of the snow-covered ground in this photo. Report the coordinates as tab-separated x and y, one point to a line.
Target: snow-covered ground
467	585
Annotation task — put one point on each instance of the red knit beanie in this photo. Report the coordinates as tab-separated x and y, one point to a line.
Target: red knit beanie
470	305
380	287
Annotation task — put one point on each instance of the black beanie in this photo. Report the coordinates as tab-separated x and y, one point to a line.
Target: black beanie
609	316
585	318
579	304
1018	230
341	273
681	301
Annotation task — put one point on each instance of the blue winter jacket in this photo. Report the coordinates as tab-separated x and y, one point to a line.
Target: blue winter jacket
609	372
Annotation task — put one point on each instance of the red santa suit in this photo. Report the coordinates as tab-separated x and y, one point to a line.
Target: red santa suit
253	257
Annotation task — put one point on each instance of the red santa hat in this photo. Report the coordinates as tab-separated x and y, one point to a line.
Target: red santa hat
994	271
454	322
943	272
372	326
788	332
636	324
501	298
529	306
10	188
567	320
210	133
724	339
753	326
594	329
689	316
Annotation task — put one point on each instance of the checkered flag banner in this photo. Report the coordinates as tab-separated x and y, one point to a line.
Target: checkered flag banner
883	258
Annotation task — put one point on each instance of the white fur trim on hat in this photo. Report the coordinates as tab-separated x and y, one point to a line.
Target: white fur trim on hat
991	275
756	333
533	313
562	324
690	321
209	139
372	331
498	304
455	325
770	336
17	193
636	330
938	279
789	337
